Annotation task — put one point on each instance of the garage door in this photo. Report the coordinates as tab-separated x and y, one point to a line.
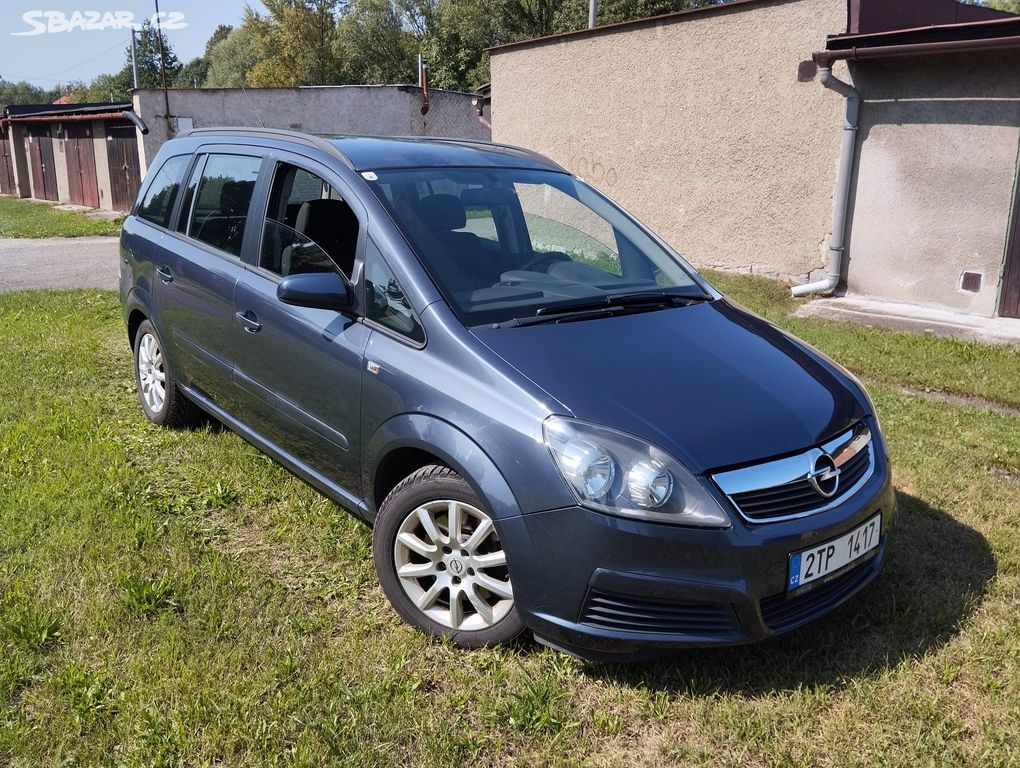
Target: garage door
83	186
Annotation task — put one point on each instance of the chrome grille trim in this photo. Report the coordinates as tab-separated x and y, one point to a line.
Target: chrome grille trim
790	474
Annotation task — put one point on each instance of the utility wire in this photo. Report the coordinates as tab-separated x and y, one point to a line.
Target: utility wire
74	66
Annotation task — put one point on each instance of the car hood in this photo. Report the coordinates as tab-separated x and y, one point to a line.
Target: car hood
711	383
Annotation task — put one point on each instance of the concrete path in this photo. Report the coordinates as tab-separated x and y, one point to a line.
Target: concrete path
58	262
916	318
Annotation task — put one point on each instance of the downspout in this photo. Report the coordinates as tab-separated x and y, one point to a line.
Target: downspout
841	195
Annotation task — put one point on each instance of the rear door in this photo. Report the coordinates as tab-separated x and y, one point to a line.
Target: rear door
299	369
201	260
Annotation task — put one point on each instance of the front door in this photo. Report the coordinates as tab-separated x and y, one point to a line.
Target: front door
199	263
300	369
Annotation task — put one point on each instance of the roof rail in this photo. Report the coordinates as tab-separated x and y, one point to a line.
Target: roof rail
523	150
272	133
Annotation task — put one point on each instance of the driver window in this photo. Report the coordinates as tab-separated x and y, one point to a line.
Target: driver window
309	227
559	223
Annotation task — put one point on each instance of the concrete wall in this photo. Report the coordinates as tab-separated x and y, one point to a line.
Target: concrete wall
351	109
696	124
938	155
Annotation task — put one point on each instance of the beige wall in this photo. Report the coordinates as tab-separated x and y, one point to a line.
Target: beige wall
696	125
352	109
938	152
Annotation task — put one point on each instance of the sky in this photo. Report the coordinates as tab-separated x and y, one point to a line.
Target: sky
50	56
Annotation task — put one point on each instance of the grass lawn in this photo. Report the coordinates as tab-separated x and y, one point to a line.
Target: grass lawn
28	218
175	598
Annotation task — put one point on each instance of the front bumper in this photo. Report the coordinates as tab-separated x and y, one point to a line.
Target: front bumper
615	589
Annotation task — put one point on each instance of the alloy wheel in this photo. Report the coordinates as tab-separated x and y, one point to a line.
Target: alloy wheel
450	563
151	374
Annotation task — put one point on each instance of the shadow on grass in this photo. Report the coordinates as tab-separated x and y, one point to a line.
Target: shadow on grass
936	572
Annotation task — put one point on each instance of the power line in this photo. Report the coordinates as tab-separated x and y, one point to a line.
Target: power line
48	75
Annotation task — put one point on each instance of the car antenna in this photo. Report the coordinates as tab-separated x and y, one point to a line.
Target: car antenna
252	105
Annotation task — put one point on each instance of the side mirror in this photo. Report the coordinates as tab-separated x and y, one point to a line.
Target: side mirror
319	290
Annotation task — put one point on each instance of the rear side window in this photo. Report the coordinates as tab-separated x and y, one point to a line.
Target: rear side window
158	201
220	208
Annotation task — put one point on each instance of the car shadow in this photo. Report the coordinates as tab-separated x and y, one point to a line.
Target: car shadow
937	570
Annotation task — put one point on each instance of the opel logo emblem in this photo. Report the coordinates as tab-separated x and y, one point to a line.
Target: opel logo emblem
457	566
824	476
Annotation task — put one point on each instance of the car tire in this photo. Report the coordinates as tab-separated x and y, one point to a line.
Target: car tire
162	401
447	586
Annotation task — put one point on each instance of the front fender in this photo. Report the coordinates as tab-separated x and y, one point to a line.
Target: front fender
452	447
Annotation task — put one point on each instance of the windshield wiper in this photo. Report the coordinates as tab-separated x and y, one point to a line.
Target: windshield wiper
606	306
657	298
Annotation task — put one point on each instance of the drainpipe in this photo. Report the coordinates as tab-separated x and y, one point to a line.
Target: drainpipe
837	240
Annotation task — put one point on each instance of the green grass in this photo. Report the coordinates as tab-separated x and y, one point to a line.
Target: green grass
175	598
28	218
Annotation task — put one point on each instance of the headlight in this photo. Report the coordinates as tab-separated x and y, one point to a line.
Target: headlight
619	474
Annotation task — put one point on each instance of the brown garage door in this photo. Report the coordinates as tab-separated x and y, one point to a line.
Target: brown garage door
40	157
125	179
6	167
83	186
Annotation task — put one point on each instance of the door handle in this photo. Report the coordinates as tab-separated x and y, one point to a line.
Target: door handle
165	275
251	325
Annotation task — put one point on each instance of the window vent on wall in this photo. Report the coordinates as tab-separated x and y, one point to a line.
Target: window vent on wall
971	282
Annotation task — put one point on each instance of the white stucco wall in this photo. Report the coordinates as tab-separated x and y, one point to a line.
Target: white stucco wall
938	147
697	124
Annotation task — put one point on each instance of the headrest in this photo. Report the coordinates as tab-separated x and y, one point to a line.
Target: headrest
325	220
442	213
235	196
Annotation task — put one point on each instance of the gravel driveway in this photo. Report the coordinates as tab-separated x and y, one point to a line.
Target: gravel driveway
58	262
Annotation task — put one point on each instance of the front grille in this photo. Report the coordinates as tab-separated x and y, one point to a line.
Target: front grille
630	614
793	486
781	612
799	496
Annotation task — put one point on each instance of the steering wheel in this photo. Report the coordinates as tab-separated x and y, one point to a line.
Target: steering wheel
542	258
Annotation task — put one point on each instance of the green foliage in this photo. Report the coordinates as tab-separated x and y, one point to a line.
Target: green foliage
373	46
148	597
24	92
33	628
573	14
28	218
231	59
295	42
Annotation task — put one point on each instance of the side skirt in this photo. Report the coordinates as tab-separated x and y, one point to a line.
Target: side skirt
357	506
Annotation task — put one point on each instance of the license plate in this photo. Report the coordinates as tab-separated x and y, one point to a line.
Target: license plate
811	564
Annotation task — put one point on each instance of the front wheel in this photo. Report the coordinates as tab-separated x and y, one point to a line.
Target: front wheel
441	563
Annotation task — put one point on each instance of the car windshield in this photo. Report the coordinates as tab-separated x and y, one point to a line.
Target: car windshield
504	244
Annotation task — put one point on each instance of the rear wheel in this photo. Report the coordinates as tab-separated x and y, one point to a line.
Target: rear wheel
162	401
441	563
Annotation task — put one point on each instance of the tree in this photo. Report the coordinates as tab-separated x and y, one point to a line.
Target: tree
1010	6
295	43
194	73
147	54
231	59
573	14
25	93
373	45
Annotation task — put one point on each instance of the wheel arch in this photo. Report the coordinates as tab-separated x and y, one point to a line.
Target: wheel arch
411	441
